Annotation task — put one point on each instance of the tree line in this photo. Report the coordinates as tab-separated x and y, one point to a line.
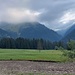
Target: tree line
22	43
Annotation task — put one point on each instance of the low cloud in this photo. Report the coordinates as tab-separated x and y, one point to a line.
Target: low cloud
19	15
67	17
54	14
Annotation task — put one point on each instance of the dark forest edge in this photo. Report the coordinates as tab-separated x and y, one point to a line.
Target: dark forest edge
22	43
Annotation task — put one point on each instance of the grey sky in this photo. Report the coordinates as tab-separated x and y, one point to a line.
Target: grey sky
55	14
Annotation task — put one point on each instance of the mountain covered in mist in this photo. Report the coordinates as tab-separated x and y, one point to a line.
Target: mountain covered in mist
35	30
28	30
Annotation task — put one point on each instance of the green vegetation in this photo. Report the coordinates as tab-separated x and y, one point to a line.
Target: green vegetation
71	49
23	54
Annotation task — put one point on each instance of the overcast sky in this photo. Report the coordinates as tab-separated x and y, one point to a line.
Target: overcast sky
55	14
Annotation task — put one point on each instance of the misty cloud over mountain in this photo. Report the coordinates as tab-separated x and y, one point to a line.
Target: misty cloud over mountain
55	14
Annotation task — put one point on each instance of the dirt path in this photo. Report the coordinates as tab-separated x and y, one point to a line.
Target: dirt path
24	67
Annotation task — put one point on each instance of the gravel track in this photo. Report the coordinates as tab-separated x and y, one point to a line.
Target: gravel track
38	68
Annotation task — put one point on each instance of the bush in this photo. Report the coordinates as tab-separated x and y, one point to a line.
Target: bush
69	54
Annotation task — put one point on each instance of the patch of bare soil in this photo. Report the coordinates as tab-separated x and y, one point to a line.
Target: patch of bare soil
24	67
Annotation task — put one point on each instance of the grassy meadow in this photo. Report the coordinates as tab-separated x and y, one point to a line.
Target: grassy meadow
23	54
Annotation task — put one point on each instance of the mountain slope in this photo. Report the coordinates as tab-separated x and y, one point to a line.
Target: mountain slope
4	34
31	30
37	30
70	30
70	34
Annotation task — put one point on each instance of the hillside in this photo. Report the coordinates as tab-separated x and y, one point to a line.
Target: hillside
30	30
70	34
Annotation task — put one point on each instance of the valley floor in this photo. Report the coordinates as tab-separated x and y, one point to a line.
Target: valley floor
36	68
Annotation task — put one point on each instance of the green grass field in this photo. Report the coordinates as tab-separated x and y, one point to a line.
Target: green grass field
21	54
